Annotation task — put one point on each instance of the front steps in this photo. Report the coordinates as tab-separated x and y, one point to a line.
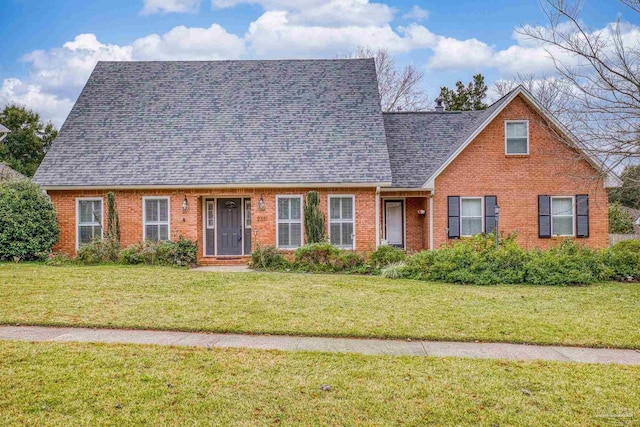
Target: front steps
225	260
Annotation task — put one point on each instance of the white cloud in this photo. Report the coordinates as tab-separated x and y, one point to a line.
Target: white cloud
183	43
170	6
50	107
416	13
453	54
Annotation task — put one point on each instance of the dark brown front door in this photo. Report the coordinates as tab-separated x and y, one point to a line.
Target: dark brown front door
229	227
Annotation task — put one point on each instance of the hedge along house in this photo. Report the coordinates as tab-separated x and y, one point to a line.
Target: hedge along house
224	152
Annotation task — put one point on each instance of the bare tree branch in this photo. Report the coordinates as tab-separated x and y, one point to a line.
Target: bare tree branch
399	88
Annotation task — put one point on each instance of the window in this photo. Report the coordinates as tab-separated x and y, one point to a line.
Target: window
341	220
89	220
562	216
247	213
211	214
517	137
289	218
156	218
470	216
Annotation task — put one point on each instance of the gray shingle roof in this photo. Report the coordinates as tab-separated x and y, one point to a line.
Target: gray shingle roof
222	122
420	142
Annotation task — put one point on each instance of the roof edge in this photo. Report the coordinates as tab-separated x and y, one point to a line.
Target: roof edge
218	186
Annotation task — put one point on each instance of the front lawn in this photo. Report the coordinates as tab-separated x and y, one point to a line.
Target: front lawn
91	384
331	305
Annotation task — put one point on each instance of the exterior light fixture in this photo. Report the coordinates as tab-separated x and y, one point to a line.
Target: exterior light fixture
185	204
422	212
497	212
261	202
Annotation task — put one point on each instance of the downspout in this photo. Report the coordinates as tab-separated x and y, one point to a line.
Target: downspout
377	221
431	221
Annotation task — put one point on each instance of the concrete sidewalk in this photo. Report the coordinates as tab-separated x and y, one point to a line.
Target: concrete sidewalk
340	345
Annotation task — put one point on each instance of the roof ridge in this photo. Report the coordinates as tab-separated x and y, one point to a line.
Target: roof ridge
203	61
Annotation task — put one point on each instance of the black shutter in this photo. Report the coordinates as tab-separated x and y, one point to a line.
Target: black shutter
454	217
582	215
490	203
544	216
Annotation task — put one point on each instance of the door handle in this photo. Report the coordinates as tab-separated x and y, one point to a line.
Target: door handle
240	235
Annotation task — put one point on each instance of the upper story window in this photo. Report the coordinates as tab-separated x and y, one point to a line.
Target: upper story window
516	137
289	218
156	218
89	220
470	216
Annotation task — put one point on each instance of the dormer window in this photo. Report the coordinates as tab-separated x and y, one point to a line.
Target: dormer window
516	137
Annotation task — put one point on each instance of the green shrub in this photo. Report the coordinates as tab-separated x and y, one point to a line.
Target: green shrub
393	271
386	255
314	228
621	265
180	253
626	246
268	258
28	223
620	221
99	251
57	259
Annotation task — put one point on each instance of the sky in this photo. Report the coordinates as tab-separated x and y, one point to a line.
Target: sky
48	48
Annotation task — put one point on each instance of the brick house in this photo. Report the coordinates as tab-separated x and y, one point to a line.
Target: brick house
223	153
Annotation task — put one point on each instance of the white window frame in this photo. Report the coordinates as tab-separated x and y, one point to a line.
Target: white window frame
88	199
573	216
289	221
481	214
246	200
144	216
506	145
340	221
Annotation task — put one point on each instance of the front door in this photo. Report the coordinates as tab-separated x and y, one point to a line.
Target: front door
394	222
229	226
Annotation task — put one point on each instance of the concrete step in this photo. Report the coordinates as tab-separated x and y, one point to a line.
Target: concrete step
225	260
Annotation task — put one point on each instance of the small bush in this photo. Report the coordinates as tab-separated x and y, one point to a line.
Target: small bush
28	224
181	253
394	271
620	221
57	259
99	252
325	257
268	258
386	255
626	246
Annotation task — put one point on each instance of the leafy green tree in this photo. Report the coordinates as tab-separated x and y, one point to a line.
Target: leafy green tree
465	98
620	222
25	146
314	229
629	193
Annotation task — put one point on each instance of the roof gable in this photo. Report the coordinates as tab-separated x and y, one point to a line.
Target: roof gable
223	123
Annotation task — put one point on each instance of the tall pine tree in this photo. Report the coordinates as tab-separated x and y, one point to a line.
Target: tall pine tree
465	98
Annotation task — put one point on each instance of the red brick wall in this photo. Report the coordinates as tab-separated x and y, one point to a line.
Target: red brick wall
550	168
189	224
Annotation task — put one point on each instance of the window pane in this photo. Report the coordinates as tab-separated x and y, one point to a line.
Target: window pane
86	207
563	206
283	235
335	234
247	213
471	226
151	210
97	211
347	231
86	234
296	234
164	209
563	225
151	232
210	215
517	130
471	207
347	208
335	208
296	209
283	208
517	146
163	232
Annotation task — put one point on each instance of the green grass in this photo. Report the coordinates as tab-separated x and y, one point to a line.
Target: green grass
329	305
58	384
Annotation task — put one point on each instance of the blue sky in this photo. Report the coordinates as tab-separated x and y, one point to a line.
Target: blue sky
49	48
